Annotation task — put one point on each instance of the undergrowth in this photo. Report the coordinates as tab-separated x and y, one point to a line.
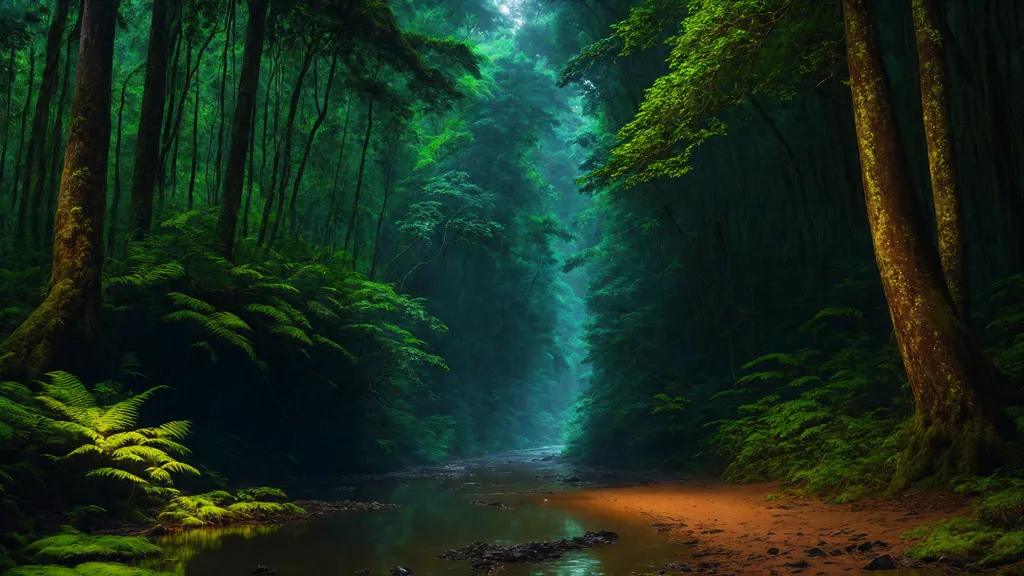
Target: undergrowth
823	417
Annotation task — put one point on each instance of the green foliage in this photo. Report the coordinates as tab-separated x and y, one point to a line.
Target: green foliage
220	507
823	419
86	569
723	52
141	457
71	547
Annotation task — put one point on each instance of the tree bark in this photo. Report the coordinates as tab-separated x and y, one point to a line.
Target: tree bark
228	25
195	145
321	116
56	144
169	131
383	208
66	321
284	147
115	201
7	119
250	175
331	213
954	429
227	222
28	220
938	129
24	122
354	214
147	143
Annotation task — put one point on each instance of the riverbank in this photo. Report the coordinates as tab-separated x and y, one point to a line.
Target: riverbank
752	528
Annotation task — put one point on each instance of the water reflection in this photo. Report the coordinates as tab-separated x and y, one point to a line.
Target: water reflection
436	516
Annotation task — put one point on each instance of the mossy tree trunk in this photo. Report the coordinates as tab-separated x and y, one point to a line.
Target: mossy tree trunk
938	129
66	321
248	83
35	157
147	143
954	427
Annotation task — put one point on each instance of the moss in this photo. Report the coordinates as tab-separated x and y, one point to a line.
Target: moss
87	569
1009	548
42	571
958	538
109	569
1003	508
72	548
916	533
939	452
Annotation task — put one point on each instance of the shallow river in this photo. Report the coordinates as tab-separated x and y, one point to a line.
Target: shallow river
436	515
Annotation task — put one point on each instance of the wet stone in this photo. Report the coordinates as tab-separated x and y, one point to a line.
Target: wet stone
881	563
483	557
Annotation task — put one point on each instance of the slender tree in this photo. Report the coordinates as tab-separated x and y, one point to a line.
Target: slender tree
7	115
282	156
938	129
71	309
248	84
320	117
115	201
35	157
56	142
147	142
353	221
954	428
24	122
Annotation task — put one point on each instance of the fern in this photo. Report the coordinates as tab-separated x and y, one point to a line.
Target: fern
110	436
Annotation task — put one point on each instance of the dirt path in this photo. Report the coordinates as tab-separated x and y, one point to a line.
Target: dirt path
733	528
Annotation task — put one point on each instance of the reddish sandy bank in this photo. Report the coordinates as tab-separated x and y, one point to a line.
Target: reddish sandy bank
733	528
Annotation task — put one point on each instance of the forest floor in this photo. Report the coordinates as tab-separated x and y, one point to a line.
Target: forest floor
750	528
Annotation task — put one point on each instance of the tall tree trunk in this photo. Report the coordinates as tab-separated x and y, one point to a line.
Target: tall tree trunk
7	121
55	139
250	175
241	126
284	148
954	427
36	155
353	221
321	116
115	201
228	45
195	145
383	208
169	131
266	116
24	122
147	143
938	129
331	212
67	320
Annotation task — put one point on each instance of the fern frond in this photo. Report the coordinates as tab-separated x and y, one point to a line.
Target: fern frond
294	333
190	302
117	474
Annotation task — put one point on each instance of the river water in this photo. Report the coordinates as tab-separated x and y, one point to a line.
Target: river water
436	515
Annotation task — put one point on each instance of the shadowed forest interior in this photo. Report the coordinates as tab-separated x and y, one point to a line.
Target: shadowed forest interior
271	242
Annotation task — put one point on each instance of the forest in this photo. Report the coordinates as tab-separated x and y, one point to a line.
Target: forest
373	252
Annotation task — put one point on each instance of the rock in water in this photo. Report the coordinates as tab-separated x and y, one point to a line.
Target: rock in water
400	571
483	557
262	571
881	563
